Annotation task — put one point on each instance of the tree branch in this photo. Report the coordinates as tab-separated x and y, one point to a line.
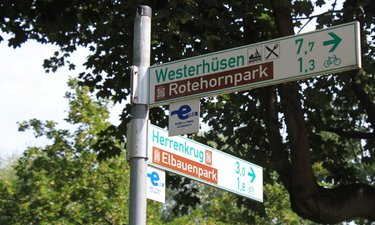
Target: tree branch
351	134
364	99
303	178
315	16
338	204
365	102
280	155
108	220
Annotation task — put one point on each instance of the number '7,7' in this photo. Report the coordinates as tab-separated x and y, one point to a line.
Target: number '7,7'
299	43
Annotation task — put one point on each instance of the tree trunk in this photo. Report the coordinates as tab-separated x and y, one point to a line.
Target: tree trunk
308	199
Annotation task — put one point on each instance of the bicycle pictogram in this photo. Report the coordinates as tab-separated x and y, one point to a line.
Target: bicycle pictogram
332	60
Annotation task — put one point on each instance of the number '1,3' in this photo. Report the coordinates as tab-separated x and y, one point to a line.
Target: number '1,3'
310	67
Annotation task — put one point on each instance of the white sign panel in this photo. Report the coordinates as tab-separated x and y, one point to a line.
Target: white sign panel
266	63
205	164
184	117
155	184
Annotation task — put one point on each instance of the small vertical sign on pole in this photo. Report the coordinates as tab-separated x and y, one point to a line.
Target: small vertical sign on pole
155	184
184	117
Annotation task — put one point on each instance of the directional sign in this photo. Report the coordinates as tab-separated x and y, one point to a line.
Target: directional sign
203	163
266	63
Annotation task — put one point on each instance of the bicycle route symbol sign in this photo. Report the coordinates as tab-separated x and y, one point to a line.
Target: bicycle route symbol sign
332	60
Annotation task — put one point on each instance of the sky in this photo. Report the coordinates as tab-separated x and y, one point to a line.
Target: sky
27	92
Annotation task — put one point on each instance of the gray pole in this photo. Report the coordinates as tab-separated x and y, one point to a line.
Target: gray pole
139	122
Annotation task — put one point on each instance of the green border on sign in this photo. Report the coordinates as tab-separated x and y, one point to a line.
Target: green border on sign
264	83
201	180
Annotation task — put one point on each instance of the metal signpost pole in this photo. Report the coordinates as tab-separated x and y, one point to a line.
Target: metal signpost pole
138	126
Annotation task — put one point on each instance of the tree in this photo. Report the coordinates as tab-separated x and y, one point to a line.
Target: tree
8	205
218	207
328	120
64	182
307	197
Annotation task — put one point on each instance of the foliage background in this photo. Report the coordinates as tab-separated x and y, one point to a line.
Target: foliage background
77	178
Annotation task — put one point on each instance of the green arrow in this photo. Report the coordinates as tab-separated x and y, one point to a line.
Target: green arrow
252	174
335	41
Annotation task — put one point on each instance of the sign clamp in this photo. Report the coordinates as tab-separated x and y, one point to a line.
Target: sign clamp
134	84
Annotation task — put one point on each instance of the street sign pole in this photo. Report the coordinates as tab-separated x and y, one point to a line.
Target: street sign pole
138	125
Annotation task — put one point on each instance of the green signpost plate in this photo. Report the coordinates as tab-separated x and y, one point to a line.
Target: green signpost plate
203	163
285	59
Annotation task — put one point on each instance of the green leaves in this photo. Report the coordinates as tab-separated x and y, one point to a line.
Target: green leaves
64	182
303	7
319	3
